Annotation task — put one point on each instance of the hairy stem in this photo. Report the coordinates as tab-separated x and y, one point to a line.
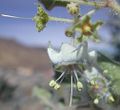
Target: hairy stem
82	2
107	3
51	18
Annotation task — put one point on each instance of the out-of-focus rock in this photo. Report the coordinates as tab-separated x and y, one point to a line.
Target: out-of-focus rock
23	67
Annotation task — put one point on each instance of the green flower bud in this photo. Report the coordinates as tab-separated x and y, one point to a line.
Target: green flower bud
96	101
79	86
69	32
40	27
92	82
73	8
111	98
40	19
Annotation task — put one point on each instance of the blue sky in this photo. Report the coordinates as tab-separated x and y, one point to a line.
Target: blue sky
24	30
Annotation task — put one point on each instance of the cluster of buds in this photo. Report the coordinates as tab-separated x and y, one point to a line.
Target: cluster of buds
99	86
41	19
73	8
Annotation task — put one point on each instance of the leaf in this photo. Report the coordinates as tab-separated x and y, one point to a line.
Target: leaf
106	58
50	4
41	93
113	71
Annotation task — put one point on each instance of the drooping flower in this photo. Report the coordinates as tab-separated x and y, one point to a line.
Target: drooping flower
78	61
68	57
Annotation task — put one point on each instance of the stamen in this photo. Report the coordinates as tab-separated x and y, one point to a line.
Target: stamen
71	91
75	73
80	71
62	79
79	84
57	86
52	83
60	76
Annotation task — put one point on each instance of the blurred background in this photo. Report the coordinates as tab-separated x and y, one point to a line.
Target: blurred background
24	62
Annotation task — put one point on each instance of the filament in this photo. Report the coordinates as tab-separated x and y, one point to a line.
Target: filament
75	73
71	91
60	76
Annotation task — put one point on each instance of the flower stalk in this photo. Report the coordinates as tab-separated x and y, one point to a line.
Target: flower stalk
57	19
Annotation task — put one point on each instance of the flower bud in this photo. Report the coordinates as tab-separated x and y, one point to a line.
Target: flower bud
111	98
69	32
92	82
41	18
73	8
79	86
96	101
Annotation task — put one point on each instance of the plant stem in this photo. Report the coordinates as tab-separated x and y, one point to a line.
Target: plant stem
51	18
108	3
82	2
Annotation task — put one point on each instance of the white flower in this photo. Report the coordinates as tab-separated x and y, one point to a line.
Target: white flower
70	54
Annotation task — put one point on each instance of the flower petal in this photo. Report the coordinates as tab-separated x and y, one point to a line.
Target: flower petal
68	54
54	56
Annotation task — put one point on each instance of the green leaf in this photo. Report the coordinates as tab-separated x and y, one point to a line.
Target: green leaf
97	24
41	93
113	71
50	4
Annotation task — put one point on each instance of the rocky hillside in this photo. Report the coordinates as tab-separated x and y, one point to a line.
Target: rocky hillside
21	69
13	55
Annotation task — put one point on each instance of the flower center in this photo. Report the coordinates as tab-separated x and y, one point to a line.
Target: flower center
86	29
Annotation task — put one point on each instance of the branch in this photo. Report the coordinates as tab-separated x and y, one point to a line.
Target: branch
103	4
114	5
51	18
82	2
